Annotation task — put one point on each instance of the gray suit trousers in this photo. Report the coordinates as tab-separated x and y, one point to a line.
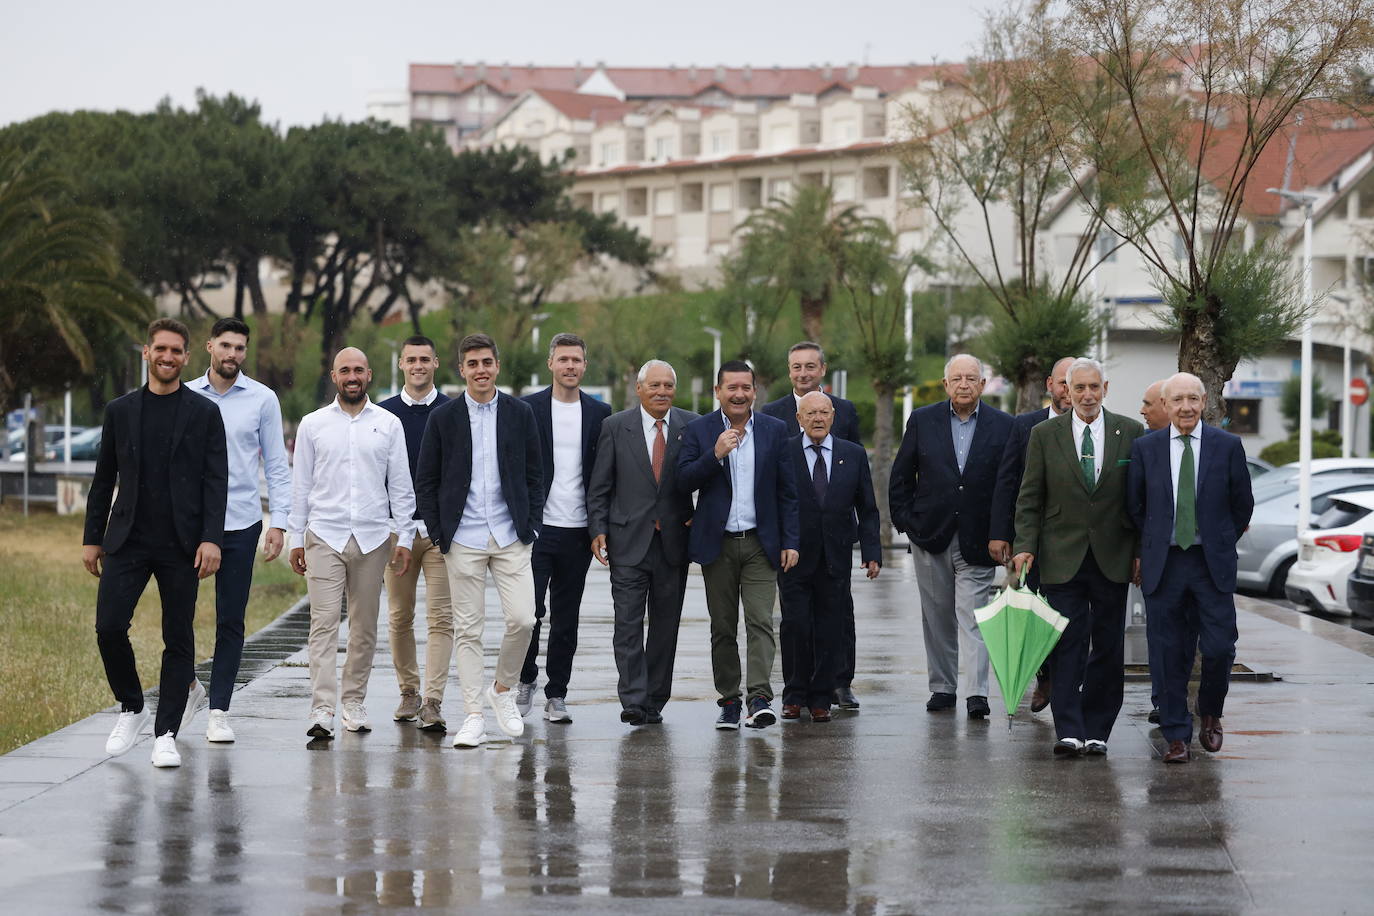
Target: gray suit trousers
646	665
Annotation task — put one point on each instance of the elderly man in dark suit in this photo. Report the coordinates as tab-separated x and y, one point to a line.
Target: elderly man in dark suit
638	517
744	531
165	447
1072	522
1190	496
940	494
836	508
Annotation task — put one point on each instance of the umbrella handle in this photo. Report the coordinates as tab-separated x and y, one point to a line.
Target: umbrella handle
1024	570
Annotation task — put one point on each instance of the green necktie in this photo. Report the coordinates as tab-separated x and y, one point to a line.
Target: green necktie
1086	456
1185	510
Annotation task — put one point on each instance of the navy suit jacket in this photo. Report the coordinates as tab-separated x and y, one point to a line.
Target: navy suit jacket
930	499
846	425
775	492
593	412
850	512
1224	503
1013	466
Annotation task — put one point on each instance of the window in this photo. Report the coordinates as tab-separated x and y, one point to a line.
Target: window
846	131
1242	416
876	183
779	189
583	200
439	108
534	128
692	194
720	198
1107	243
663	148
422	103
663	202
610	154
843	186
637	202
720	141
610	203
750	193
781	136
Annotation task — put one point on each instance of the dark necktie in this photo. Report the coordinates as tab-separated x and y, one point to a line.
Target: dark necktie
1185	510
659	446
1086	456
818	479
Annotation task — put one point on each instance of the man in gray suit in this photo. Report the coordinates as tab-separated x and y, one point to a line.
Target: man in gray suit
638	519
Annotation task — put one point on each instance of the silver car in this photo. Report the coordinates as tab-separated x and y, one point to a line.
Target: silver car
1269	546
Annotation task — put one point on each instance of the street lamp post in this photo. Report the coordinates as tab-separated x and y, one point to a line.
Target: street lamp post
715	352
907	324
534	344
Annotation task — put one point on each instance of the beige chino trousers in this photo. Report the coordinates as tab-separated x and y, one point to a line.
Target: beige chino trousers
330	575
400	599
467	579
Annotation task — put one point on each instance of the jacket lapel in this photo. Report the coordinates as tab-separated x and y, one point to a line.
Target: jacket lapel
980	436
1111	443
1071	454
639	455
673	432
946	440
179	428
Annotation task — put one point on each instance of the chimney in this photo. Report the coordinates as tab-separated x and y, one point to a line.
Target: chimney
577	73
692	72
748	73
505	72
720	73
459	70
851	72
827	72
481	70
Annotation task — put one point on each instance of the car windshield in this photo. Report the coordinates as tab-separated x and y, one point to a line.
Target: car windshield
1339	515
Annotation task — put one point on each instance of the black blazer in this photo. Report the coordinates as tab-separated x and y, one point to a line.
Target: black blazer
930	500
850	512
1013	466
199	472
593	412
444	474
846	425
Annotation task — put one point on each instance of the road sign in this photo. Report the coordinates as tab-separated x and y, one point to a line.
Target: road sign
1359	391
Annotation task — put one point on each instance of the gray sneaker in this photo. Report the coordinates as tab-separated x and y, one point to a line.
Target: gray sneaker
524	698
410	706
555	710
429	718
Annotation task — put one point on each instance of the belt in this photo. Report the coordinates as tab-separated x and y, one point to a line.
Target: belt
740	535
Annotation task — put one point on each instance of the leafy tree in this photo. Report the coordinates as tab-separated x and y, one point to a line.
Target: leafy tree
1290	402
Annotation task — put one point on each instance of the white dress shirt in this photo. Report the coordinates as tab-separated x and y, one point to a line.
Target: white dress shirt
647	421
252	432
486	514
566	505
352	479
1176	456
1097	426
423	402
740	464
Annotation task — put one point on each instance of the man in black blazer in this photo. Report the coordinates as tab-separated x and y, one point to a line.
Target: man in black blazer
836	508
569	422
479	490
743	532
941	495
165	446
638	520
1188	491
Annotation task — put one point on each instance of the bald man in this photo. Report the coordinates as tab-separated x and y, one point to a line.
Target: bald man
1152	412
352	510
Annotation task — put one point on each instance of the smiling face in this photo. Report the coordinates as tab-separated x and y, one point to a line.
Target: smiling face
1086	390
227	352
419	363
656	391
479	370
806	370
1185	400
166	356
568	364
736	395
351	375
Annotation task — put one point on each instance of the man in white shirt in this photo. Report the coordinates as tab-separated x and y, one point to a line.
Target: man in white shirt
352	508
252	428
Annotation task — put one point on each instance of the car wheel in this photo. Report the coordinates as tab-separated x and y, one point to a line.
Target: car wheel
1280	579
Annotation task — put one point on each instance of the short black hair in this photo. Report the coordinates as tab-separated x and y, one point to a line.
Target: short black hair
478	341
169	324
419	340
735	365
229	326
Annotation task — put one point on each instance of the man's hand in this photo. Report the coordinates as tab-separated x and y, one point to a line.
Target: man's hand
1000	551
272	545
873	568
1135	571
91	557
599	550
1022	562
207	559
297	560
789	559
400	560
728	442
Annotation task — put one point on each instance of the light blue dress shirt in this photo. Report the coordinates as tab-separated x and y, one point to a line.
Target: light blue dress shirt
740	464
961	431
485	514
810	454
252	432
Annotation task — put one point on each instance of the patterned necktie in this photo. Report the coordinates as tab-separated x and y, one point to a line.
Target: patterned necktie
1185	509
1086	456
818	478
659	446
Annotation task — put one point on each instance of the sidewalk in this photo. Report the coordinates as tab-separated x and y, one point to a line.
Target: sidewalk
890	810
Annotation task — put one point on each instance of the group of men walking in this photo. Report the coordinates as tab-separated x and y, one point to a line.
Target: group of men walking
769	503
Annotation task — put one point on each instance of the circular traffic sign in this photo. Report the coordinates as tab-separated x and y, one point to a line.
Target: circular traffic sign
1359	391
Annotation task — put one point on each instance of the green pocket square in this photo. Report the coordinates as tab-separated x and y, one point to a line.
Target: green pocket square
1122	462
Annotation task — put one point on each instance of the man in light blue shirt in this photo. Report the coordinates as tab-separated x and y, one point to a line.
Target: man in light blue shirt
253	431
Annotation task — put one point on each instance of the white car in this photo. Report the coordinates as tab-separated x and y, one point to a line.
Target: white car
1327	553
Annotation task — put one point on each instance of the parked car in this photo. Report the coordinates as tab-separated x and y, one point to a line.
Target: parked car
1269	547
1287	474
54	436
1359	588
1327	553
86	446
1258	466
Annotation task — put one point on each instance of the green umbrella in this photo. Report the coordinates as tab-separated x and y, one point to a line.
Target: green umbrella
1019	628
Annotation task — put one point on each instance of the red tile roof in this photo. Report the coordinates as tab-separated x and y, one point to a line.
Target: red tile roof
580	107
802	152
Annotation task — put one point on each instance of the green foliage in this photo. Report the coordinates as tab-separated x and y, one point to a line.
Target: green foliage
1325	444
1023	344
1290	401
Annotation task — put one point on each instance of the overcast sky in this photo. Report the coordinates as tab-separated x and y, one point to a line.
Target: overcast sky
304	61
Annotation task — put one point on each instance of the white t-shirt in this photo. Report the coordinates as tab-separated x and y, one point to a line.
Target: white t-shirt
566	506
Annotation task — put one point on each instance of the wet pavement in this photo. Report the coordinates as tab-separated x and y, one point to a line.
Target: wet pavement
888	810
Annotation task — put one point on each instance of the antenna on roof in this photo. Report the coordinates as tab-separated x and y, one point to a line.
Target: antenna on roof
1292	149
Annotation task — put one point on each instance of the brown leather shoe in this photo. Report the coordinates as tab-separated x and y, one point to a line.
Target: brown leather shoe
1209	735
1040	696
820	714
1178	752
791	711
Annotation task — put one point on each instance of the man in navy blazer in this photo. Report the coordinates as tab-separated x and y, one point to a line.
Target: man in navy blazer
940	493
744	530
836	507
1189	494
569	422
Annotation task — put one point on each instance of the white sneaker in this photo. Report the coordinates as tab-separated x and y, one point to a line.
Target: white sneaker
556	710
125	732
193	699
508	718
218	730
321	722
473	733
165	751
355	717
524	698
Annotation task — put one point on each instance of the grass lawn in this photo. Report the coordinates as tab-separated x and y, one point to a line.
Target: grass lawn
50	671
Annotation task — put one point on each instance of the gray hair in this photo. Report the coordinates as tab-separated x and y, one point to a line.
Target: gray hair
982	370
806	345
644	370
1085	362
1181	377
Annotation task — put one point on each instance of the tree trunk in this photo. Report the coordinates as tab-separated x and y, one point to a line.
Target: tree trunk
238	291
884	396
1199	352
255	293
812	317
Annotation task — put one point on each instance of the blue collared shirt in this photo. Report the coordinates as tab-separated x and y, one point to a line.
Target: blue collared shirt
252	432
810	453
961	431
740	464
485	515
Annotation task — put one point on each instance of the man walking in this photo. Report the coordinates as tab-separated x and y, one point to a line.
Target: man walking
744	531
1190	496
480	492
638	517
569	422
1153	412
352	509
1154	415
253	432
1072	522
165	448
419	360
835	510
940	493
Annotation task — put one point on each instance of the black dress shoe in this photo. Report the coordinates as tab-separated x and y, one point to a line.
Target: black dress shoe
845	699
939	701
1153	717
633	715
978	707
653	717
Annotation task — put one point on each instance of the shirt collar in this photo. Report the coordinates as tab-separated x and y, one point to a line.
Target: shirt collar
649	419
424	401
204	382
973	416
367	404
1195	434
826	443
1095	425
478	405
748	424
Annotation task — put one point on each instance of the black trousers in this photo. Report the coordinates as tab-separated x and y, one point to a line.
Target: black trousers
232	584
559	559
814	608
844	674
1086	665
125	576
653	587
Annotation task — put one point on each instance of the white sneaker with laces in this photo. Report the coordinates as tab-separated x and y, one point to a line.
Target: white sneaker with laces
193	699
355	717
125	732
321	722
524	697
508	718
473	733
217	731
165	751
